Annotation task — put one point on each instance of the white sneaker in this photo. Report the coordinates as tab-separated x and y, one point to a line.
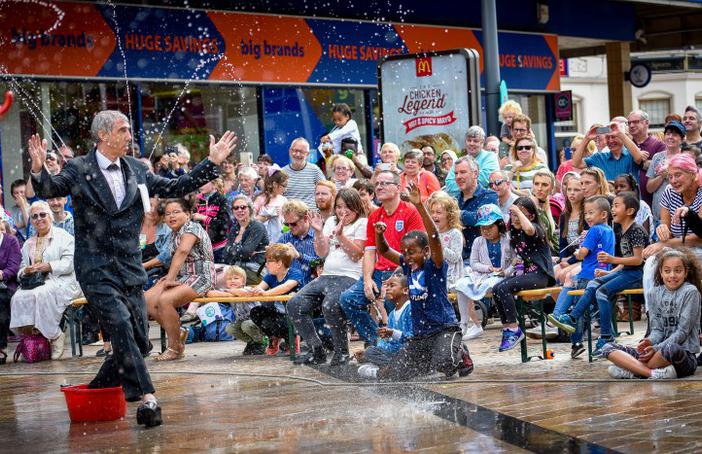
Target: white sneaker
664	373
473	332
368	371
618	372
58	345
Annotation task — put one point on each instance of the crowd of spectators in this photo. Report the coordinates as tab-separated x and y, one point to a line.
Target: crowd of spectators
620	204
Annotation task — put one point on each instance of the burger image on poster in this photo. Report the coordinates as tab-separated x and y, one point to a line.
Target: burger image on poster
439	141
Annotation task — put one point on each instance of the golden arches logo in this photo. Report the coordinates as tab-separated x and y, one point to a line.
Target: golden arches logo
423	67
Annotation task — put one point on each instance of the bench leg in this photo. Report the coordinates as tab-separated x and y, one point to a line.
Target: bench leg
542	322
163	340
631	314
588	327
71	329
522	326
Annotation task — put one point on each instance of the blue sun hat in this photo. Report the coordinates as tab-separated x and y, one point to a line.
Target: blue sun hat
488	215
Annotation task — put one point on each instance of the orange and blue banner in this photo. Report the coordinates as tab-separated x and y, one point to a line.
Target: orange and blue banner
83	40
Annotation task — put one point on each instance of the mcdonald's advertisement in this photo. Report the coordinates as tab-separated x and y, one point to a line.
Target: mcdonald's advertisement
90	40
421	106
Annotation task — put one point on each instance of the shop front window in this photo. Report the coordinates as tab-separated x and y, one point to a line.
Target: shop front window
174	113
306	112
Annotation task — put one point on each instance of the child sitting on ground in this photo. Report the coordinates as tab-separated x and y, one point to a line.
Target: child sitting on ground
528	240
436	342
628	273
491	260
599	238
674	314
399	327
242	328
280	280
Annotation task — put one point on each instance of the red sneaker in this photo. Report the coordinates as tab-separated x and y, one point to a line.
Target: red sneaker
273	346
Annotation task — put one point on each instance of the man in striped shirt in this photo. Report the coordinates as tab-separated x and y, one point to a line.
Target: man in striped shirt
303	176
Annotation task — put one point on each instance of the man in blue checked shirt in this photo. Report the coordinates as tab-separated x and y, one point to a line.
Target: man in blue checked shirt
300	235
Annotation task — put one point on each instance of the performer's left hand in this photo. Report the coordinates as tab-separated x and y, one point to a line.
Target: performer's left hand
219	151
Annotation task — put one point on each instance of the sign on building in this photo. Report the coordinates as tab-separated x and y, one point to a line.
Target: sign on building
429	99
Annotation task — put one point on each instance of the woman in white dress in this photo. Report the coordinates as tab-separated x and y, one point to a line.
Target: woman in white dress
49	251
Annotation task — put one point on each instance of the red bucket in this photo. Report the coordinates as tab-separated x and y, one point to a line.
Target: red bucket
88	405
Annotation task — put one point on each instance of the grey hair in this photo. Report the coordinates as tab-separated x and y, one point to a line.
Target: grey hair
248	171
503	174
246	199
640	113
182	151
393	146
476	131
302	140
104	121
470	161
42	206
415	154
395	176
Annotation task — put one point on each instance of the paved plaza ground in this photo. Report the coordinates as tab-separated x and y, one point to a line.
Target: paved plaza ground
216	400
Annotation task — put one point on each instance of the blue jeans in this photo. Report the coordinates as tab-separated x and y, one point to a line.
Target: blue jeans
603	290
355	305
566	301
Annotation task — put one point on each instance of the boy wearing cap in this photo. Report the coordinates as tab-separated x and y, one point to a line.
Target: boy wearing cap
674	135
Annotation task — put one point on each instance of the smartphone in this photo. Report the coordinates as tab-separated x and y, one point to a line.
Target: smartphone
603	130
385	166
246	158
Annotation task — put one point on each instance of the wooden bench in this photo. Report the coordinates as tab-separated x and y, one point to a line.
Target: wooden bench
75	324
532	302
615	330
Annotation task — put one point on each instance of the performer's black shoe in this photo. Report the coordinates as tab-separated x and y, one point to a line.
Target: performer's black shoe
149	414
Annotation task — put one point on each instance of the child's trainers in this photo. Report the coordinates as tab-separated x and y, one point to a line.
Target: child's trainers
474	331
618	372
273	346
563	321
368	371
466	366
664	373
601	342
510	338
577	350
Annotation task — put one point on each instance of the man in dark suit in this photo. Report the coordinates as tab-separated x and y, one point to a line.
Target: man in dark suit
110	192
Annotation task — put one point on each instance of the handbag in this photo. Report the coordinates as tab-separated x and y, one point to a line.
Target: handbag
33	349
32	280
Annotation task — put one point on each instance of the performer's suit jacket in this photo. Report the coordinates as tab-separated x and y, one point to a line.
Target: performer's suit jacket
107	236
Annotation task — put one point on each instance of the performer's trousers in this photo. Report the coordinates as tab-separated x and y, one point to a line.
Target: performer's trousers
123	313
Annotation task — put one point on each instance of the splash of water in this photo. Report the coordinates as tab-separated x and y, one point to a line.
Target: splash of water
59	17
31	106
124	64
177	101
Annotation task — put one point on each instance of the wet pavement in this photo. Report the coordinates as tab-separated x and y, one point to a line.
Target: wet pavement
216	400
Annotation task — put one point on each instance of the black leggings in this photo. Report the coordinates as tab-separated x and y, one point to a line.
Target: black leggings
504	293
5	298
271	322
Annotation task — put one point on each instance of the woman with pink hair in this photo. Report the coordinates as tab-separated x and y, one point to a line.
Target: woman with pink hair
684	193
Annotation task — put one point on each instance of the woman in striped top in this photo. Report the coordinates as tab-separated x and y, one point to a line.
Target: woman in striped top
524	165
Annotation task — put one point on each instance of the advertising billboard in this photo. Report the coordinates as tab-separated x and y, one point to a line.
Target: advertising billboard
429	99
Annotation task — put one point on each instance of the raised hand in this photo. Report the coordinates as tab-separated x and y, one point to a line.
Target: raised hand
413	193
592	132
380	227
219	151
37	151
316	221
